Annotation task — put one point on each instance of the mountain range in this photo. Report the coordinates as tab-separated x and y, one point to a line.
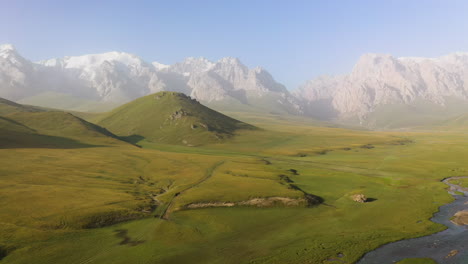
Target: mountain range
380	91
379	84
115	77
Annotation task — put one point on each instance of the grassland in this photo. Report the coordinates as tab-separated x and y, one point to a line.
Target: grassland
112	202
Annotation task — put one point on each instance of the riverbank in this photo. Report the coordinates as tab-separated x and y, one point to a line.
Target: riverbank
448	247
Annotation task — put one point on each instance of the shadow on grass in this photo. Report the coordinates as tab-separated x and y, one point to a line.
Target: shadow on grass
370	200
27	140
126	240
133	139
4	251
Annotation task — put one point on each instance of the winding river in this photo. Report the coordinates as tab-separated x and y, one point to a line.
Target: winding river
437	246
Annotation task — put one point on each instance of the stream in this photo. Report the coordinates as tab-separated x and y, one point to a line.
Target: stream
437	246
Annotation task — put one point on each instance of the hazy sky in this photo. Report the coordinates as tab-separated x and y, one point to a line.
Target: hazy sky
294	40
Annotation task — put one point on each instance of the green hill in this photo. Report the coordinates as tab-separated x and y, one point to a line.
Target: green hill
170	117
30	127
7	107
59	124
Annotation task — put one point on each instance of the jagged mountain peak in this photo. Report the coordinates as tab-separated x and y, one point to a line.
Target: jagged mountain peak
230	60
191	65
9	51
118	77
7	47
95	60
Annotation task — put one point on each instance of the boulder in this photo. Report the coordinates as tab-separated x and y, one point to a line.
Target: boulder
360	198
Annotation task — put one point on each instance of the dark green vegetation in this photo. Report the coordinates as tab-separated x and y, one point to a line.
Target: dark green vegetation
169	117
81	195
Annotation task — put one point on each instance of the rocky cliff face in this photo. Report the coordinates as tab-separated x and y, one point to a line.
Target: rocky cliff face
228	80
378	80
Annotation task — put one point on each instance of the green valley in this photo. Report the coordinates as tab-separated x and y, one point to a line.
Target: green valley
276	191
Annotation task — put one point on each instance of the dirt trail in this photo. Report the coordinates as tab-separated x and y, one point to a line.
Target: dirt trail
208	174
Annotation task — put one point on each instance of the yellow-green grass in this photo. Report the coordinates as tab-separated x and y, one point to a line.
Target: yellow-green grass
7	107
50	196
50	130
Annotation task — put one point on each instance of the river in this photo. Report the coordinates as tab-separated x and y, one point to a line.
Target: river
436	246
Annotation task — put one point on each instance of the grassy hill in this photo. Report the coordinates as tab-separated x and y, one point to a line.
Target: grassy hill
56	123
27	126
7	107
170	117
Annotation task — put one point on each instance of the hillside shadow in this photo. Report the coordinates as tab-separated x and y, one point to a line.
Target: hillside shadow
26	140
132	139
3	252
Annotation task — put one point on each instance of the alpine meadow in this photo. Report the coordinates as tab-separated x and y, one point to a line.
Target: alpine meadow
113	157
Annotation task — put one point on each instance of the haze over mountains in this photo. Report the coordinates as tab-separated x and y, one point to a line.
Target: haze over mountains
378	81
117	77
424	89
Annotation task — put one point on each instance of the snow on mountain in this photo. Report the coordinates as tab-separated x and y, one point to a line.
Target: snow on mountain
16	74
116	76
120	77
160	66
376	80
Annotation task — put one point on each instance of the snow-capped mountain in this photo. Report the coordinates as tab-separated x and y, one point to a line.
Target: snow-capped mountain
120	77
227	78
375	81
113	76
16	74
379	80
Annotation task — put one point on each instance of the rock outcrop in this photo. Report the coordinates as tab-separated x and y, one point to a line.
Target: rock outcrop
360	198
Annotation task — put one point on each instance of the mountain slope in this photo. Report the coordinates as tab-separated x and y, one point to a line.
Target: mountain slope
7	107
25	126
228	84
378	81
170	117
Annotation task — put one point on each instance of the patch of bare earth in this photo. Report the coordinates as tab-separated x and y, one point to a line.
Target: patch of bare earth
255	202
460	218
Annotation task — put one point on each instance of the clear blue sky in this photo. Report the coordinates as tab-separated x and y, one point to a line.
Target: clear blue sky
294	40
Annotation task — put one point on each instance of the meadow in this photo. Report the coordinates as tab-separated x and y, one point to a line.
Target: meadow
107	201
